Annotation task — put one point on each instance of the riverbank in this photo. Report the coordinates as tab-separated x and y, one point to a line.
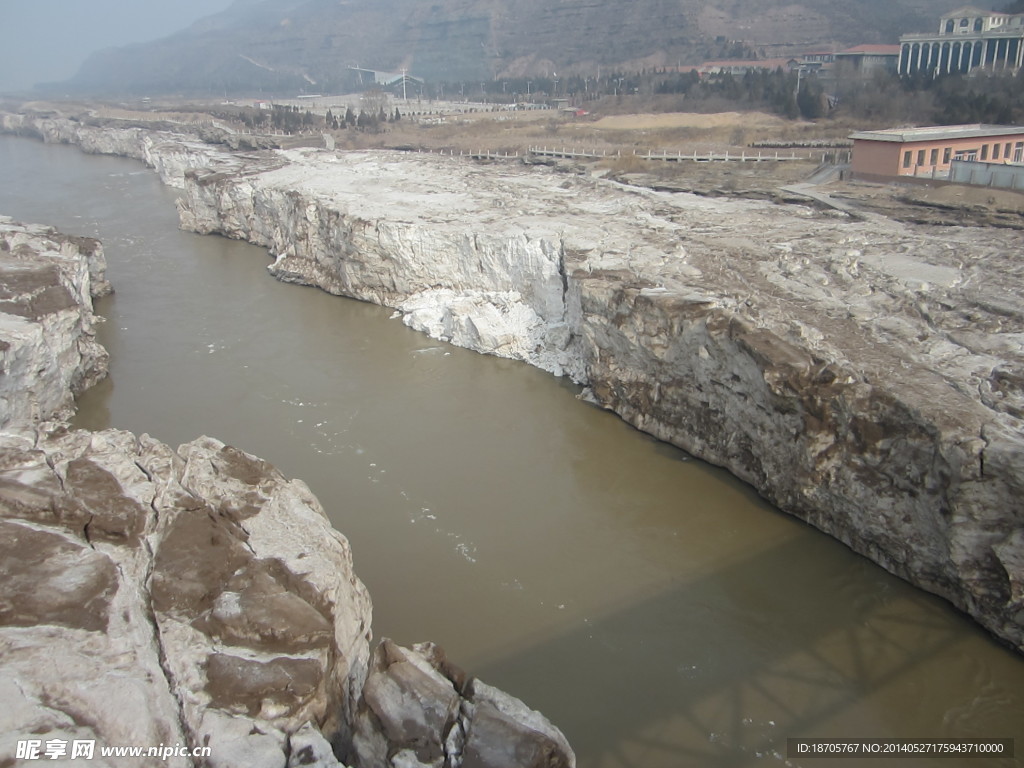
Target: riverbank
831	370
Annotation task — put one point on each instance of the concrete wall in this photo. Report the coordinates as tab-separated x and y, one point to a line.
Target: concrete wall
988	174
874	158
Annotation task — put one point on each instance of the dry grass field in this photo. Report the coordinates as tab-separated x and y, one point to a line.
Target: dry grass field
626	137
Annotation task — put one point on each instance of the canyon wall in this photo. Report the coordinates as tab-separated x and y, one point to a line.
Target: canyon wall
865	376
168	149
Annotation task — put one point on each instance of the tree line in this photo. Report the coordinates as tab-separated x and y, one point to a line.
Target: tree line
291	119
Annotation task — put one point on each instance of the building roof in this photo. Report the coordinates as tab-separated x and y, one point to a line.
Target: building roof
871	50
938	133
972	10
749	63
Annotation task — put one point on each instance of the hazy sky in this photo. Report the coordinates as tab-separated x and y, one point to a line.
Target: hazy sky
46	40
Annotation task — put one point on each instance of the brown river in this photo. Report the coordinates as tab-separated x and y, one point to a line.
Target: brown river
651	606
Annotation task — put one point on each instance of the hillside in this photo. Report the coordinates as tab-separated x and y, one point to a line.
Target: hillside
287	45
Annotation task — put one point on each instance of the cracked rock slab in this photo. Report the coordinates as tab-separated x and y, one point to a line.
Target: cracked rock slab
120	619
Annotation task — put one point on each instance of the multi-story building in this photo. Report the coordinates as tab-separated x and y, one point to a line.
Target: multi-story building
969	38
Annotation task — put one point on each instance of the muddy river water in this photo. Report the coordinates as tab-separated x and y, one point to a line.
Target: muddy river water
655	609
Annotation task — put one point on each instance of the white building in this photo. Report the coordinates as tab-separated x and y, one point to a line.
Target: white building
969	38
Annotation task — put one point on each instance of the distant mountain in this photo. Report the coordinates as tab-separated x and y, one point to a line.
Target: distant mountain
288	45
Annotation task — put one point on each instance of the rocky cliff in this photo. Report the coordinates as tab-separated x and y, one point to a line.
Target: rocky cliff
864	376
48	349
198	600
168	149
191	601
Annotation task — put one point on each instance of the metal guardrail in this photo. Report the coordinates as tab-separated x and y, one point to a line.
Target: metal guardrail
679	156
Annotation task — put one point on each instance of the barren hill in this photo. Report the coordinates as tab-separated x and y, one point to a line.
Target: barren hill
284	45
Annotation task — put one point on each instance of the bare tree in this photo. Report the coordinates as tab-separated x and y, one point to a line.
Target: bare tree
373	102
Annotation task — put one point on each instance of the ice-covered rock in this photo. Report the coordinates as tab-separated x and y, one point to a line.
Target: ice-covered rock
169	152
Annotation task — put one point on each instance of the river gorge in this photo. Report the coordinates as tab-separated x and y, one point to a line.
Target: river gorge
655	609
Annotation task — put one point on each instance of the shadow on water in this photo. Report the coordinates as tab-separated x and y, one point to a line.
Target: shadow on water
753	667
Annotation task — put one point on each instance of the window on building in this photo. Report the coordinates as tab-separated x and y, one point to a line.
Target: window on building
1018	150
949	27
995	151
920	157
1006	151
946	153
984	151
906	158
977	25
934	159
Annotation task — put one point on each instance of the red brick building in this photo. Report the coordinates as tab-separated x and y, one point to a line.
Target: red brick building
888	154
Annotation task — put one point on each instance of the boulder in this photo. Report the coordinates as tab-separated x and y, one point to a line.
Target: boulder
420	711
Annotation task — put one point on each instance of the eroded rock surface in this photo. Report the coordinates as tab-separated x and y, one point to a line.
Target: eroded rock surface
420	711
145	605
130	570
48	348
867	376
863	375
168	149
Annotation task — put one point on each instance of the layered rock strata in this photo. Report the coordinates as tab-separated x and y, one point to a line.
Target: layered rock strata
48	348
865	376
192	601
